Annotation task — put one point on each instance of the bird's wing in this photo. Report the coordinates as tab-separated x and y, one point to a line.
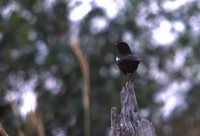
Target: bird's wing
132	57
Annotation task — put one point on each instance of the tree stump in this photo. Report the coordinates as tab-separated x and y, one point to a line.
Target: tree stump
128	122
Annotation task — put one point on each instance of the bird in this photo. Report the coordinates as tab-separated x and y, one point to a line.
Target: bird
126	60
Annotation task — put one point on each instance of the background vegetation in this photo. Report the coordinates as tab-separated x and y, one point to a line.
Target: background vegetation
36	56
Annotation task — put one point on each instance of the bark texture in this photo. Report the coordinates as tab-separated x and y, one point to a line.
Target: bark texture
128	122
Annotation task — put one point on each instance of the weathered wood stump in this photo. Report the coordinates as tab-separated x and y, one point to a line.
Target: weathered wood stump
128	122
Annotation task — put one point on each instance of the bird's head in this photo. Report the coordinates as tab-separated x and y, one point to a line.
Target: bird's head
123	48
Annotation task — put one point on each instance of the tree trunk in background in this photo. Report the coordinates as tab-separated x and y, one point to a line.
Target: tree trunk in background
128	122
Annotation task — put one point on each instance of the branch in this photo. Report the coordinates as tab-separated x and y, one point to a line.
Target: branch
83	62
3	131
128	122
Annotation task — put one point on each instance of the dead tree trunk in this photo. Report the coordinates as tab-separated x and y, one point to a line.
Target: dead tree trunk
128	122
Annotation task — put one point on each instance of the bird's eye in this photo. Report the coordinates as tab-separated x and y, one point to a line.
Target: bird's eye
117	58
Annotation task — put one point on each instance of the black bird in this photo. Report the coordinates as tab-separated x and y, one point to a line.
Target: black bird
126	60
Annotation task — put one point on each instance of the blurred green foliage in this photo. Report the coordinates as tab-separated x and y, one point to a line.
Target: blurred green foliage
34	43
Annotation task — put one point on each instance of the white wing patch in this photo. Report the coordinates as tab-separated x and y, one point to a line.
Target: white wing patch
117	58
